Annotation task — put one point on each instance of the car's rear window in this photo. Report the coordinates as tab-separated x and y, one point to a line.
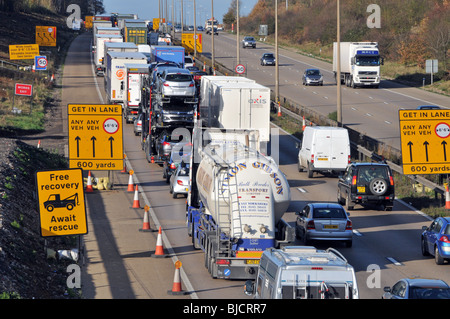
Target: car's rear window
328	213
367	174
178	77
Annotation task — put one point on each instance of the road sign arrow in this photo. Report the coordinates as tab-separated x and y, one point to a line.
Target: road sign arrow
410	144
444	144
78	139
111	139
93	139
426	148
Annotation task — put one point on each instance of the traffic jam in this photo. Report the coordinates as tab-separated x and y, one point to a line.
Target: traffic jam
211	136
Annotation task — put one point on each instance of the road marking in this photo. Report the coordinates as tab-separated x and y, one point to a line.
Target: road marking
357	233
95	77
301	190
387	122
395	262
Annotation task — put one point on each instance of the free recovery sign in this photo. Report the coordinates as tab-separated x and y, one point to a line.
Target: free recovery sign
62	208
95	137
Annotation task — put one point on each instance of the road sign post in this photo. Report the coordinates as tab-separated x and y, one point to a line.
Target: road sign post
62	209
425	138
95	137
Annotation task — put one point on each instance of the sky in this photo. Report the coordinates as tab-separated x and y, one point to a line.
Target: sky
148	9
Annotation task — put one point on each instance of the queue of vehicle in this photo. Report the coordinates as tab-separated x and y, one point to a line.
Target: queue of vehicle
223	218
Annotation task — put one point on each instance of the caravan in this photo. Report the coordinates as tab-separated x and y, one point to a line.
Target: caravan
303	272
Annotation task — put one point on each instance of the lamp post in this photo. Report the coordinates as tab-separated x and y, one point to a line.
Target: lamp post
238	57
277	76
212	36
338	69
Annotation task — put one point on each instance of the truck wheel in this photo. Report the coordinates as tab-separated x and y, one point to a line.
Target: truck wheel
69	206
50	208
300	168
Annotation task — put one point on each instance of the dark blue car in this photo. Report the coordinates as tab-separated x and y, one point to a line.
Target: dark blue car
436	240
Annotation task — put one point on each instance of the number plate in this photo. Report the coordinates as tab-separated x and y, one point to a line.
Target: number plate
361	189
252	261
322	159
330	226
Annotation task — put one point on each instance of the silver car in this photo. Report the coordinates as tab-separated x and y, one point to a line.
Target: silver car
176	82
312	77
249	42
324	221
179	180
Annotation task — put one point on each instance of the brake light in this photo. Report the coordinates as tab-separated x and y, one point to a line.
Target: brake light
310	225
172	166
391	179
166	144
312	158
166	84
349	225
354	180
179	182
349	160
445	239
222	262
191	85
316	268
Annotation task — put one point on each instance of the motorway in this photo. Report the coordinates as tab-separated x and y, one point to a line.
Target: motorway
387	242
373	112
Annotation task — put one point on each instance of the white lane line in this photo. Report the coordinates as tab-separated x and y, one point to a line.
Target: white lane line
301	190
395	262
357	233
95	77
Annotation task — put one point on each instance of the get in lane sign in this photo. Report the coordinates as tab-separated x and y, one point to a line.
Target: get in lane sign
425	140
95	136
62	208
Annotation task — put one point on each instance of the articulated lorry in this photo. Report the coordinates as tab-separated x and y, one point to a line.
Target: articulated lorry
168	53
99	49
116	74
360	64
136	75
236	201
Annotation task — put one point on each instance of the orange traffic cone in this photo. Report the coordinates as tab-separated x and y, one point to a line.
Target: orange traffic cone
146	223
136	203
39	144
159	252
130	182
447	197
204	67
89	188
279	109
176	287
304	123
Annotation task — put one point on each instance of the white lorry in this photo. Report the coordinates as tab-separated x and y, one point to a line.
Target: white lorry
360	64
116	73
239	105
236	202
136	75
99	49
324	149
303	272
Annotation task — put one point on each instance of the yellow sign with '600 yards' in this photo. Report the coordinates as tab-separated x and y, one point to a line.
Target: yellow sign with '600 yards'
62	208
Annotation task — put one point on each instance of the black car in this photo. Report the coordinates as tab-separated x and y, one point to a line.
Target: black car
268	59
366	183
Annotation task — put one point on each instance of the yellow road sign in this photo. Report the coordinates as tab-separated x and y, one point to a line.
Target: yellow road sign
23	51
95	136
425	138
46	36
187	41
62	208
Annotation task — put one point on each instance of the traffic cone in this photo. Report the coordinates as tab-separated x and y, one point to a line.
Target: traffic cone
279	109
204	67
304	123
159	252
130	182
146	223
39	144
447	197
176	286
89	188
136	203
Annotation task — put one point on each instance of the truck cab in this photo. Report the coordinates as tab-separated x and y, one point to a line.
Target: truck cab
303	272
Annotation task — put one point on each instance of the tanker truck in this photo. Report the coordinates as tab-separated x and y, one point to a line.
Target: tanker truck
236	202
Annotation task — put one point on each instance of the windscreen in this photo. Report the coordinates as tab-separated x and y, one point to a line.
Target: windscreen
178	77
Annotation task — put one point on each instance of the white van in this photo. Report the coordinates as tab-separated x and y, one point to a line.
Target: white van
324	149
303	272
